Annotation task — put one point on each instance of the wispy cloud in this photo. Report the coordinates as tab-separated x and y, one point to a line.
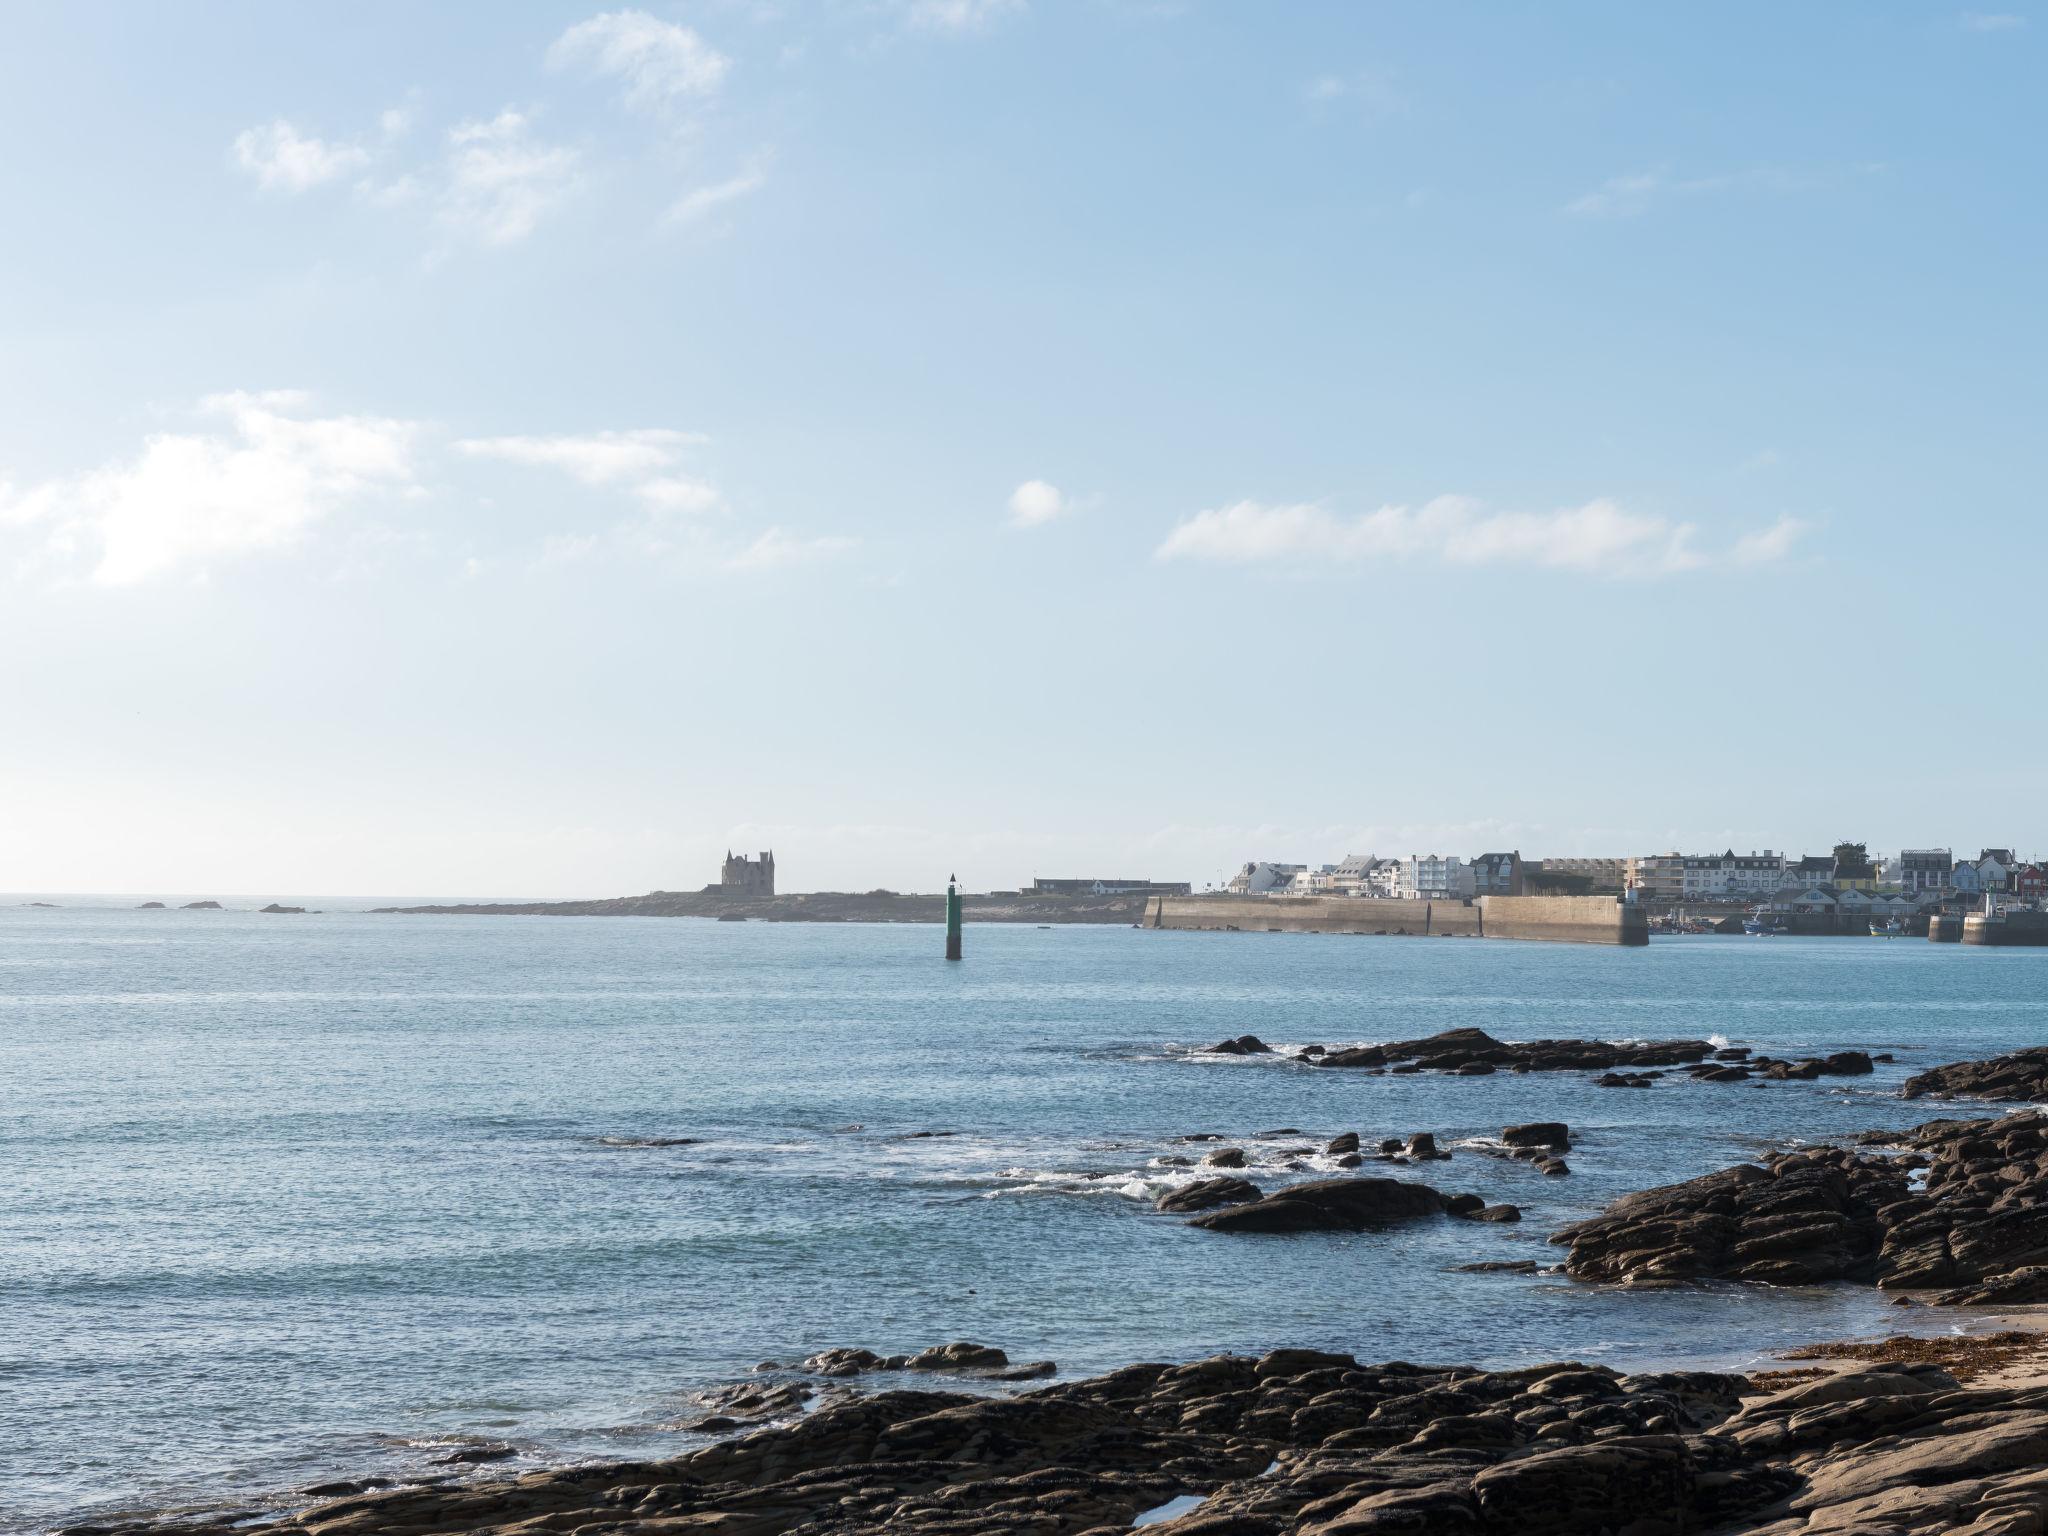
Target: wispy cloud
1035	503
281	159
957	16
1599	538
658	63
701	202
595	458
1370	91
1993	21
259	481
776	550
502	181
1622	197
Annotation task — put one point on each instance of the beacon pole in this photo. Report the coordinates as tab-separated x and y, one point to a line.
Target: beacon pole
952	917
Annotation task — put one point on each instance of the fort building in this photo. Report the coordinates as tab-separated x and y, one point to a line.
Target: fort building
742	876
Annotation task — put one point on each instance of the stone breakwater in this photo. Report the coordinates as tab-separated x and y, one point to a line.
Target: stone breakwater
1301	1442
1556	919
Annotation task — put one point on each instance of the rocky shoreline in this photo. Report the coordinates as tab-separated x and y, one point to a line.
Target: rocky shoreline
1893	1436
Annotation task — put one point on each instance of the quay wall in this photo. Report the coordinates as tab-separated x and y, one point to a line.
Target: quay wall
1556	919
2017	928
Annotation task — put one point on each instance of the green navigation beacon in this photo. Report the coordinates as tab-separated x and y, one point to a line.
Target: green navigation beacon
952	917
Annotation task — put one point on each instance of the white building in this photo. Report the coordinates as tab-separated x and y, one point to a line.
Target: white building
1731	876
1918	870
1263	878
1432	877
1352	874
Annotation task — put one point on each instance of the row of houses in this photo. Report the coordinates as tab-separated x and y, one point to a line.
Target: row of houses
1915	872
1417	877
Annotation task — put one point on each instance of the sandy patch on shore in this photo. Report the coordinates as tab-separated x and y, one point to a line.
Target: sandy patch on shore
2006	1348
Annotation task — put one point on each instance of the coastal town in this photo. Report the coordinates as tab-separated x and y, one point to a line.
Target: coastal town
1846	890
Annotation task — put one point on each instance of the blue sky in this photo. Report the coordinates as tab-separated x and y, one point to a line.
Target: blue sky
509	449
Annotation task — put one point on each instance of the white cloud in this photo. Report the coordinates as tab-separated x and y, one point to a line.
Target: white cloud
1769	545
700	201
1599	538
777	550
1993	21
190	498
958	16
679	493
281	159
659	62
1618	196
1035	502
501	180
595	458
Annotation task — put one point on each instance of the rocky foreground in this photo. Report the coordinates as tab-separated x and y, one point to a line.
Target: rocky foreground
1298	1441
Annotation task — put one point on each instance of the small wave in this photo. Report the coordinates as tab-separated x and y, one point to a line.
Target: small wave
1719	1042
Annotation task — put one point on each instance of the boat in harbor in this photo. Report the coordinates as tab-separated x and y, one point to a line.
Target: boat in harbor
1890	929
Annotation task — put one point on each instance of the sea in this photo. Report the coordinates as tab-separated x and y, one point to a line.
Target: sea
293	1198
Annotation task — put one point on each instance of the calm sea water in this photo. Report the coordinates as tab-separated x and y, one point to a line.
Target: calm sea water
290	1198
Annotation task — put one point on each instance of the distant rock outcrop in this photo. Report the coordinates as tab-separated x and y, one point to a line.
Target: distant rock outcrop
201	906
274	907
1474	1053
151	906
1325	1205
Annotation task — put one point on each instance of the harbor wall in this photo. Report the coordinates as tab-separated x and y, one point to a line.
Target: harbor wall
1555	919
2014	928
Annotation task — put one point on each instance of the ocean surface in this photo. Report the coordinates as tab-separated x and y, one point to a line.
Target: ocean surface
286	1199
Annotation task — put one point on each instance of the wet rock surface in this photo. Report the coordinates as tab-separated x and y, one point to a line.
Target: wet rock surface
1327	1205
1299	1441
2021	1077
1205	1193
1473	1052
1976	1228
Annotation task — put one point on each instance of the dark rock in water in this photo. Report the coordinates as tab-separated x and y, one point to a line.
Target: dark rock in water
1175	1162
274	907
1463	1205
958	1356
1327	1205
1721	1074
1349	1160
927	1135
1498	1213
852	1362
1225	1157
344	1487
1499	1267
151	906
201	906
1203	1194
1243	1045
1552	1167
1625	1080
2021	1077
1801	1219
1348	1142
1423	1144
645	1142
1391	1144
1311	1050
475	1455
749	1403
1538	1133
1732	1053
1473	1052
1202	1136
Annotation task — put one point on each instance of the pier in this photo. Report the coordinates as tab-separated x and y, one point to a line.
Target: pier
1551	919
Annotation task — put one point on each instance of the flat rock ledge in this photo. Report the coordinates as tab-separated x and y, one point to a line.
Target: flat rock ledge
2021	1077
1297	1441
1976	1228
1475	1053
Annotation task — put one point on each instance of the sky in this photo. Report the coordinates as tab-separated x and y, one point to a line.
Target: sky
527	449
